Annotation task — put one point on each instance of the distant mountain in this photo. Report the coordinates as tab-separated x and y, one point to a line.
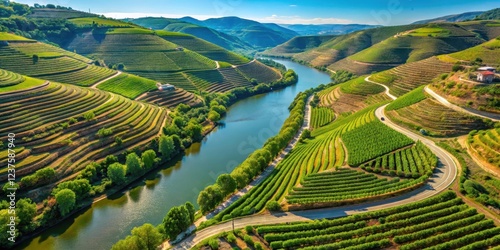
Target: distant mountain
224	40
452	18
493	14
327	29
254	33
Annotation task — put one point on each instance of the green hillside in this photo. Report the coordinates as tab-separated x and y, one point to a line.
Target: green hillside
297	45
58	13
419	44
224	40
489	52
12	82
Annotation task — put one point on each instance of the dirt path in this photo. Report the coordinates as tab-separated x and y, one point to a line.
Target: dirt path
386	88
109	78
256	181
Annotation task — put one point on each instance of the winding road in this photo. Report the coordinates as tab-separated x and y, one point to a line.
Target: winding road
367	79
443	177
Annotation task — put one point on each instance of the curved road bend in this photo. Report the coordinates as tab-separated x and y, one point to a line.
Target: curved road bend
367	79
444	175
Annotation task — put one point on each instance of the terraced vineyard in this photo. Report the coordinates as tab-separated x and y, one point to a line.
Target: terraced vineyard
45	51
440	222
407	77
345	186
11	82
407	99
321	116
486	144
489	52
351	96
359	68
380	137
323	152
409	162
205	48
209	80
170	99
53	131
85	77
13	60
436	119
128	85
235	77
259	71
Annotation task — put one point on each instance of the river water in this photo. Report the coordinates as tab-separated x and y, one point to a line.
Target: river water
247	125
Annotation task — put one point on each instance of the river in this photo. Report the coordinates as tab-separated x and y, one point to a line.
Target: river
247	125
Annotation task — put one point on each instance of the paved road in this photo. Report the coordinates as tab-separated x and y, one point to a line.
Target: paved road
367	79
109	78
443	177
442	100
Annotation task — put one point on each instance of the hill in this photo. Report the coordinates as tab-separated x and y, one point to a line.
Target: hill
58	13
213	36
452	18
297	45
488	52
326	29
493	14
254	33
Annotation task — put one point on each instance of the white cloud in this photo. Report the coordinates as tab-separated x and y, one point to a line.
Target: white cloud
292	5
301	20
119	15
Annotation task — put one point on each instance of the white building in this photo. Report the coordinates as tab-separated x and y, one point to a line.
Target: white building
165	87
485	76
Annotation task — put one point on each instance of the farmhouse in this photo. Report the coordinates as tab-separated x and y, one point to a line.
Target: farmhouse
485	76
165	87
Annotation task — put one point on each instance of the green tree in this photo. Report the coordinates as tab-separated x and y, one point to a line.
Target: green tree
204	201
148	158
166	146
213	116
176	221
116	173
129	243
148	235
66	200
133	164
25	211
226	183
194	130
190	208
5	235
89	116
35	58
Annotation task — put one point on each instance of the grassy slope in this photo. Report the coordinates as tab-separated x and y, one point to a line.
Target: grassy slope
489	52
4	36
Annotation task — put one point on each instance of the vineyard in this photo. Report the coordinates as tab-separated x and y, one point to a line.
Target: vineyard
45	50
10	81
205	48
359	68
380	138
128	85
178	79
259	71
486	144
85	77
170	99
440	222
323	152
407	99
345	186
409	162
359	86
57	126
407	77
434	119
321	116
489	52
209	80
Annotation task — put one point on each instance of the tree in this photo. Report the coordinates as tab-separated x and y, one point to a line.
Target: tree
166	147
176	221
148	236
116	173
190	208
214	116
148	158
50	6
226	183
35	58
133	164
5	228
129	243
120	66
89	116
66	200
25	211
204	201
193	130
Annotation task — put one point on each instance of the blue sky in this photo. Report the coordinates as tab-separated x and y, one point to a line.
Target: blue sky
382	12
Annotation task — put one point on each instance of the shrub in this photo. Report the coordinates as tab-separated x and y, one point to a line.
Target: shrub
214	244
